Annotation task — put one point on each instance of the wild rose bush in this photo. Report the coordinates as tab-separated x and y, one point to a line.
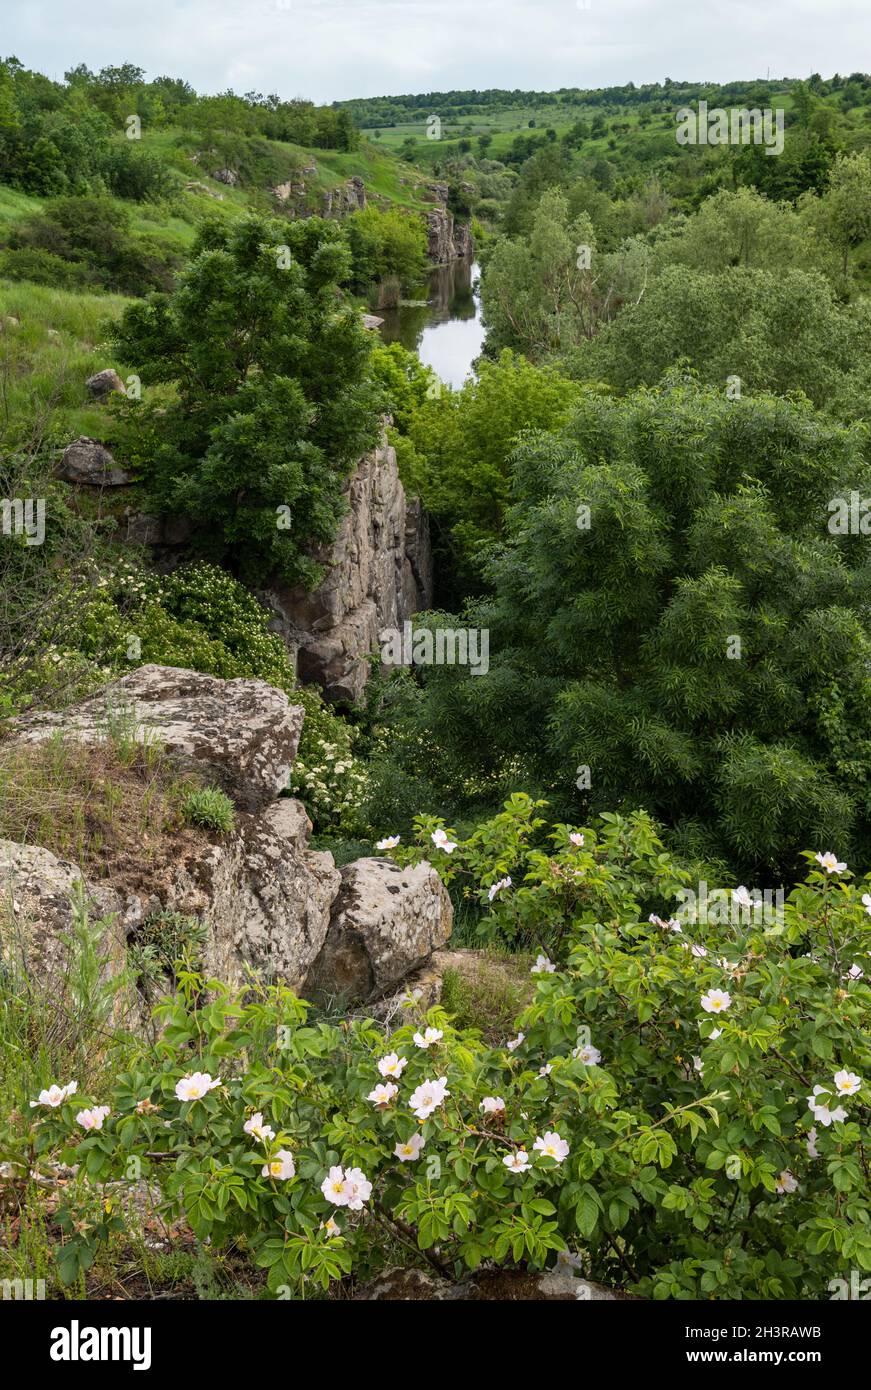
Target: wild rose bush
683	1106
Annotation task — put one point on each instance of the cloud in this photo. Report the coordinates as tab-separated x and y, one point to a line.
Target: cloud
332	49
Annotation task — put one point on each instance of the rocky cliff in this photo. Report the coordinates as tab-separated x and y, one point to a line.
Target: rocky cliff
447	240
378	573
267	902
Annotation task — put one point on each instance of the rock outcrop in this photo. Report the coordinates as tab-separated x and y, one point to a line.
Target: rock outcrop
269	902
241	734
446	239
386	922
346	198
88	462
102	384
464	244
378	573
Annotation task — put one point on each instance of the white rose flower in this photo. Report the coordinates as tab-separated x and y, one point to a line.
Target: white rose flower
440	840
409	1150
428	1096
716	1001
281	1166
333	1187
92	1119
830	862
493	1105
195	1085
847	1083
392	1065
55	1095
258	1129
383	1095
823	1113
543	966
549	1145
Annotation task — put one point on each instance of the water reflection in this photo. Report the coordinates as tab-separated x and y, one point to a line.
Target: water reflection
440	320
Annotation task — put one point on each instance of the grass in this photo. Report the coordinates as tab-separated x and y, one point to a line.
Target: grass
116	811
46	359
15	205
486	990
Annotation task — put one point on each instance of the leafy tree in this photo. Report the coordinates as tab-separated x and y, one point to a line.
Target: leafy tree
672	613
536	296
274	398
846	205
803	165
775	331
741	227
389	243
466	438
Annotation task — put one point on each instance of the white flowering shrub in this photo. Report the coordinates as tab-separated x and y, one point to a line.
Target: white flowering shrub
201	618
331	781
683	1107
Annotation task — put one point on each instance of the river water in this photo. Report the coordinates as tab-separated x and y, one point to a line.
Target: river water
440	320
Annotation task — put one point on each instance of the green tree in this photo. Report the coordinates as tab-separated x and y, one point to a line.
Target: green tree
466	437
775	331
846	205
673	625
274	396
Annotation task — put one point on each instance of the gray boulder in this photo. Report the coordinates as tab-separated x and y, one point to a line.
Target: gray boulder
241	734
102	384
36	914
386	922
88	462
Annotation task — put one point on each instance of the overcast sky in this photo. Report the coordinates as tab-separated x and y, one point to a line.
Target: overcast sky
330	49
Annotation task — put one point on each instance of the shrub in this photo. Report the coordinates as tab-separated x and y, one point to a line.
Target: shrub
93	235
684	1110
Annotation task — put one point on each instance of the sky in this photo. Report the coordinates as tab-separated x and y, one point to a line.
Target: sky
329	50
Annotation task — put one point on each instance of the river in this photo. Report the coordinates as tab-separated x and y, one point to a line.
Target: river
440	320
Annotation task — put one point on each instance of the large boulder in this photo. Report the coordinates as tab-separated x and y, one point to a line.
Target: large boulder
240	734
264	895
104	384
87	461
386	922
268	903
